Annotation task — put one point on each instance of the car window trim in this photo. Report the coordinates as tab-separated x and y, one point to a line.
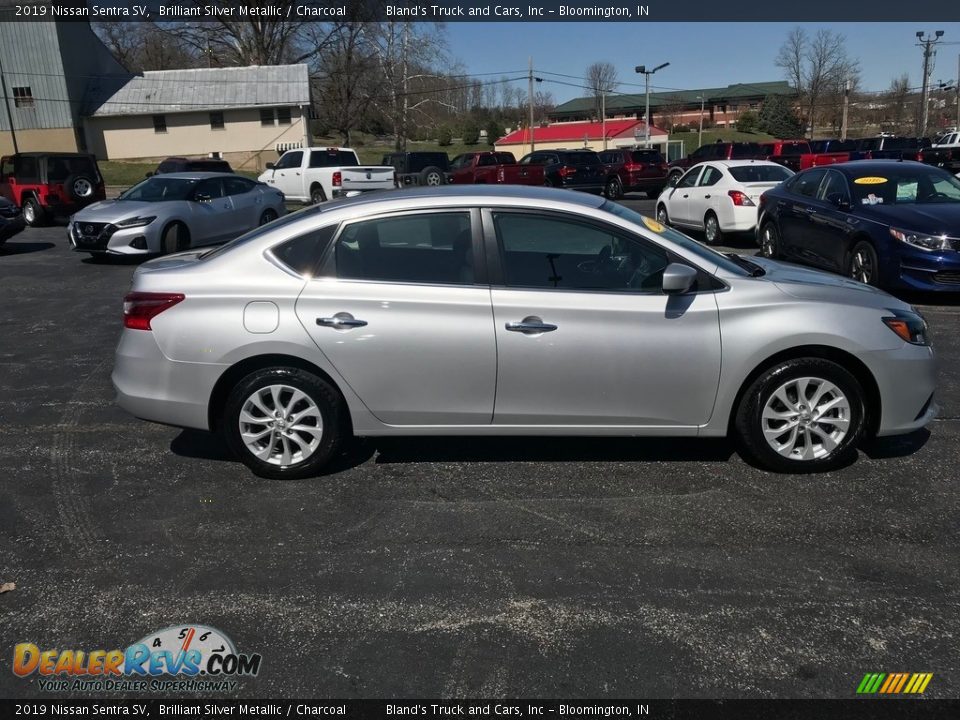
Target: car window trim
495	258
327	267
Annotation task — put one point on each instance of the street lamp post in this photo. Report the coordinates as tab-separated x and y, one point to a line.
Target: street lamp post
646	118
700	136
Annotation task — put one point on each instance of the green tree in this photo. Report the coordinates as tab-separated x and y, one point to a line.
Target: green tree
778	118
748	121
444	136
494	131
471	133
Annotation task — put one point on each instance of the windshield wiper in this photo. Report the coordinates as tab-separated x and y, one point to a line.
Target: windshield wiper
751	267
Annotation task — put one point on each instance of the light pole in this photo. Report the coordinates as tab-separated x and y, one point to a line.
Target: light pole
700	136
927	43
646	117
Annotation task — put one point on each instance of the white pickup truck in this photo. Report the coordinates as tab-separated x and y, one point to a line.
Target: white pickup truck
318	174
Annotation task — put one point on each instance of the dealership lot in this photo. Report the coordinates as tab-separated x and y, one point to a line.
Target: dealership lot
459	567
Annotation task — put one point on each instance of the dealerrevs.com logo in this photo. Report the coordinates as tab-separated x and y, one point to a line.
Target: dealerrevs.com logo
180	657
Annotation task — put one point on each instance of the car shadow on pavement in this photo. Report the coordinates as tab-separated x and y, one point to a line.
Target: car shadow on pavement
108	260
897	446
22	248
927	298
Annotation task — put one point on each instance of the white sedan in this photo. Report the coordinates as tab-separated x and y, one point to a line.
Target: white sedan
719	197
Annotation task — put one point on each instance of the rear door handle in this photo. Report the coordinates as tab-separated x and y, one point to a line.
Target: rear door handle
341	321
530	326
706	197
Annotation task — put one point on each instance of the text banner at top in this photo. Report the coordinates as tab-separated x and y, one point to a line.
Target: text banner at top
644	11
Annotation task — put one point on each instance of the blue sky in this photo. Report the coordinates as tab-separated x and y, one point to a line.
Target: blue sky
700	54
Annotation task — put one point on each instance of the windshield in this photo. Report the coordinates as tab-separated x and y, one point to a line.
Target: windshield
160	189
906	186
710	257
760	173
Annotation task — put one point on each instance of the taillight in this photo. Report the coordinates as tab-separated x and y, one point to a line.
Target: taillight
918	157
739	198
633	167
141	307
337	179
566	170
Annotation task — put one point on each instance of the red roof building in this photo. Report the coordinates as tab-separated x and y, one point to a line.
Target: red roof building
572	135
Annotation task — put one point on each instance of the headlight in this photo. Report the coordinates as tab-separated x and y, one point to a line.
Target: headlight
135	222
920	240
909	326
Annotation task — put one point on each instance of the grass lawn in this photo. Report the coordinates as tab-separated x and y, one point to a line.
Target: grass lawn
127	174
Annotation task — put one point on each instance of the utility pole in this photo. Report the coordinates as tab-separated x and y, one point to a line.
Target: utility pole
6	103
846	109
927	43
700	135
646	119
603	116
530	91
957	88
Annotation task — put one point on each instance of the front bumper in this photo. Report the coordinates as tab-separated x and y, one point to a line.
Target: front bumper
907	380
153	387
107	238
928	271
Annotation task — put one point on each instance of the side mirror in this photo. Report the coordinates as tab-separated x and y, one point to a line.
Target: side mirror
678	279
271	166
839	201
201	197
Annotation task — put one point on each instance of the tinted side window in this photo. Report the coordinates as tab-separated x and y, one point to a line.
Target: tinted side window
433	248
237	186
835	184
290	160
486	160
212	187
301	254
711	176
337	158
807	183
541	251
690	179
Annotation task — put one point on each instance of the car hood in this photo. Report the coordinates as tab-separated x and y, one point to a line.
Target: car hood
933	218
113	210
807	284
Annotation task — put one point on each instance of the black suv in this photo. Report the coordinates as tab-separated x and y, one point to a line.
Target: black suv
181	164
419	168
572	169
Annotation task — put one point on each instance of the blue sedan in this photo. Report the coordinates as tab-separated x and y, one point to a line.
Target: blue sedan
892	224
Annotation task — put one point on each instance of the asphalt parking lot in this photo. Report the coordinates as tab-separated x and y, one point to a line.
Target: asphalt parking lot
459	567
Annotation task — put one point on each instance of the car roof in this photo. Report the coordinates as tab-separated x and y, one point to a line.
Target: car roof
478	193
741	163
855	166
198	175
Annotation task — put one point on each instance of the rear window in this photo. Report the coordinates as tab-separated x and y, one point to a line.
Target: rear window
209	166
580	158
760	173
646	156
744	150
60	168
332	158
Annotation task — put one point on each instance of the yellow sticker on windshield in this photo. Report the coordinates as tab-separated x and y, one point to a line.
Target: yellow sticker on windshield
870	181
653	225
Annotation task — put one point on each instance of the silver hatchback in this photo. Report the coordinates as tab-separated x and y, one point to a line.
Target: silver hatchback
511	311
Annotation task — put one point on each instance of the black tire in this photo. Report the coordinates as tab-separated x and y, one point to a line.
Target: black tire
613	190
863	264
319	392
749	422
317	195
662	216
268	216
79	188
712	233
769	241
431	176
175	238
33	213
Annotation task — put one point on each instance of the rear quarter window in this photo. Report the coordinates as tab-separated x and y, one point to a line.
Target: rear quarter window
302	254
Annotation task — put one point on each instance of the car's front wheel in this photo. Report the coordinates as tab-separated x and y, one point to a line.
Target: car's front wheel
662	217
863	264
283	423
175	238
33	213
802	415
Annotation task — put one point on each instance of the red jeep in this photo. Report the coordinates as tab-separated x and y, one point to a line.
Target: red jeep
47	184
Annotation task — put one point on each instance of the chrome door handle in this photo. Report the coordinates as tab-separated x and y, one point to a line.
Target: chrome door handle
530	325
341	321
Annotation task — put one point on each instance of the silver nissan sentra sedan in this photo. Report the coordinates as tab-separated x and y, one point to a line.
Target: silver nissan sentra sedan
512	311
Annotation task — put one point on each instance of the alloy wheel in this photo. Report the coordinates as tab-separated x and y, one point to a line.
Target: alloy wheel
662	217
82	188
433	179
806	418
280	425
861	266
711	229
768	243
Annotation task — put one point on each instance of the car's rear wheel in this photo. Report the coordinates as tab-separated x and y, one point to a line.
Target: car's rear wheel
268	216
662	217
711	229
770	241
283	423
613	189
431	176
317	195
33	213
801	415
864	265
175	238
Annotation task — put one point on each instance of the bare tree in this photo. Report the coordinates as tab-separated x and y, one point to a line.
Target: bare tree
817	67
146	46
601	79
896	102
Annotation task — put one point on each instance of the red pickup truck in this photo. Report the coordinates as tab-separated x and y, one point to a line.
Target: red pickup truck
491	167
799	155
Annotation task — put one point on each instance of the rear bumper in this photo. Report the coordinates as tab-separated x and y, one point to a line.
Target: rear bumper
151	386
